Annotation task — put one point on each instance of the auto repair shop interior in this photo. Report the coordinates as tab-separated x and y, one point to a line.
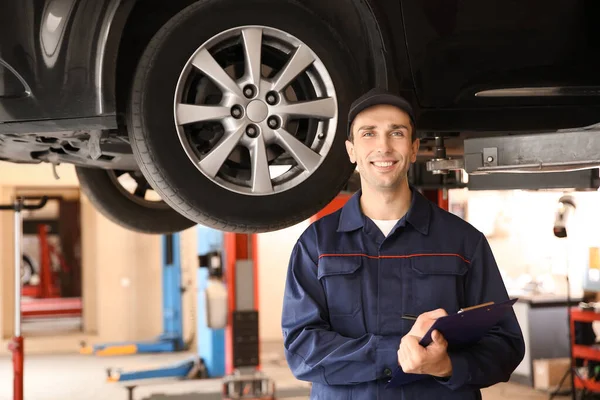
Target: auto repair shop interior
106	310
159	161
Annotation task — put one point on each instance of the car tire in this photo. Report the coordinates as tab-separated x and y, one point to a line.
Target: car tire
157	144
111	199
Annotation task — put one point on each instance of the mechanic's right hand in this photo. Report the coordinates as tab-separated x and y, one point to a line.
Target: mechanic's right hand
425	321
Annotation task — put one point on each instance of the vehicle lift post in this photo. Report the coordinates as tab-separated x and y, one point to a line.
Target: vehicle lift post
16	346
172	337
228	345
244	379
210	361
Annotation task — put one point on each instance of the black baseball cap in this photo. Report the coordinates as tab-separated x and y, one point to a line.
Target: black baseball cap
375	97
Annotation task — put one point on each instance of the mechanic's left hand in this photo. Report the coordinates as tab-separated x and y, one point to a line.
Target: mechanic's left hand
431	360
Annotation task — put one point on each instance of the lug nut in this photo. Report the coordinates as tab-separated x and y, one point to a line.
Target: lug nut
272	98
249	91
252	131
273	122
236	111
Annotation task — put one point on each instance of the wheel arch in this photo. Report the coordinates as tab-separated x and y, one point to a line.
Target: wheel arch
376	52
361	26
130	24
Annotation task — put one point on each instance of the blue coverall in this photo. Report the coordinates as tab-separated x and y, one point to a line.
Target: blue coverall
348	286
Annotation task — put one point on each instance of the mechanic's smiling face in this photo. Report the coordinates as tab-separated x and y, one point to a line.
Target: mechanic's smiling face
382	147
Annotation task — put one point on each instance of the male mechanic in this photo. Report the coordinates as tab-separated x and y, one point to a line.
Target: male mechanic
388	252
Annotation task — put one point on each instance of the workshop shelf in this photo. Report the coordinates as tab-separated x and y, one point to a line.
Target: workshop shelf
588	384
584	352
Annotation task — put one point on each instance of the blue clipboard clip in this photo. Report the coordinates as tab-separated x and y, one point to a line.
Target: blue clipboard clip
464	328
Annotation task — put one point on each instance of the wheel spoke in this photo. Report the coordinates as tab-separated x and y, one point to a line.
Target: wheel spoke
188	113
212	163
252	53
140	191
206	63
261	178
308	159
322	108
301	59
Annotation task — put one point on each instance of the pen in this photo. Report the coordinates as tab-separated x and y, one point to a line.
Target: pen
477	306
409	317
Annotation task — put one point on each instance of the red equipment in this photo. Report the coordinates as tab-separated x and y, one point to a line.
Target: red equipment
47	300
51	308
48	286
244	378
16	344
239	248
335	204
438	196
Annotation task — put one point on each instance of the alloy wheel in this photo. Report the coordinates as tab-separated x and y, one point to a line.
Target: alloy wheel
255	110
134	186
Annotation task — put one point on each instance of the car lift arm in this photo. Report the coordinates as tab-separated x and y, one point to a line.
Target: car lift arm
565	150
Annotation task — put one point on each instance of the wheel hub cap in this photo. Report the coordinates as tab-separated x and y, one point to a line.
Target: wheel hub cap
257	111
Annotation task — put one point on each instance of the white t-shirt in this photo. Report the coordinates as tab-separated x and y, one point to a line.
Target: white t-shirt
386	225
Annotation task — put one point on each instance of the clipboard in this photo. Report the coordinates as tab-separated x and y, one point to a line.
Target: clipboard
460	329
469	326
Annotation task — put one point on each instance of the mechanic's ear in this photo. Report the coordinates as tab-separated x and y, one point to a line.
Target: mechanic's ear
350	150
415	150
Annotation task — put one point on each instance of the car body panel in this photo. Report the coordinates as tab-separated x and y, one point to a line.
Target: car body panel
55	64
58	61
459	49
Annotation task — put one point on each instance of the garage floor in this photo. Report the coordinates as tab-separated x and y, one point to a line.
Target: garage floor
77	377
